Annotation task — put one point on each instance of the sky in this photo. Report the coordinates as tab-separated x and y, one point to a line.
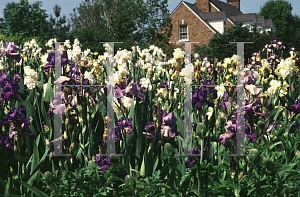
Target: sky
67	6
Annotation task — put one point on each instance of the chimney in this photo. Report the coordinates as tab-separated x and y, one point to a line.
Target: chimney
203	5
235	3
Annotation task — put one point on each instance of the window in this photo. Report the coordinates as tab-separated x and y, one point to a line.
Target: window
183	32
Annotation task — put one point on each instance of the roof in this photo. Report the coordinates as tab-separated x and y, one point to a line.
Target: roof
268	23
229	9
260	19
213	15
244	17
199	13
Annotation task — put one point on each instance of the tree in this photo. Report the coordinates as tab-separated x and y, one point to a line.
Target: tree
24	19
132	22
221	48
286	25
61	32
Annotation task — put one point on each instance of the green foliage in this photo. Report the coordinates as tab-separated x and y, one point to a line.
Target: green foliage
60	31
24	19
286	24
135	23
203	51
221	48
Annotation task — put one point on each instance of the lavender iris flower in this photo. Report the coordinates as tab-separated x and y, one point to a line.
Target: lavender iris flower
133	90
250	77
223	137
10	49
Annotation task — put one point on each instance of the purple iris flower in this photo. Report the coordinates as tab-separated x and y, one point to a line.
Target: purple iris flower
18	118
5	142
164	85
223	137
133	90
221	69
103	162
74	72
10	89
124	125
50	60
250	77
10	49
253	109
295	107
196	151
191	162
166	123
199	97
208	82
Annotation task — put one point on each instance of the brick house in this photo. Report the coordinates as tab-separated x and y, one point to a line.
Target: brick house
198	22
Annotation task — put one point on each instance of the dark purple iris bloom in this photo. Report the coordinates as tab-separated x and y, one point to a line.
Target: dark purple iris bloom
133	90
208	82
17	116
5	142
167	124
10	49
191	162
250	77
10	89
221	69
232	125
199	97
74	72
295	107
103	162
51	62
124	125
164	85
16	78
253	109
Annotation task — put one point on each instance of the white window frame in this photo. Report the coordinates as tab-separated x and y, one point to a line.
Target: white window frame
187	32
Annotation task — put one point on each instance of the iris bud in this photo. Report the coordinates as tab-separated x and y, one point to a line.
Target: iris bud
254	157
129	180
114	158
168	148
201	130
91	165
269	164
48	177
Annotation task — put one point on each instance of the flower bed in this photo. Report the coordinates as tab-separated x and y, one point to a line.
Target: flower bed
149	126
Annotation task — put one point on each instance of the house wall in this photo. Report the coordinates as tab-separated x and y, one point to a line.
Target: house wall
197	30
212	8
229	24
218	25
